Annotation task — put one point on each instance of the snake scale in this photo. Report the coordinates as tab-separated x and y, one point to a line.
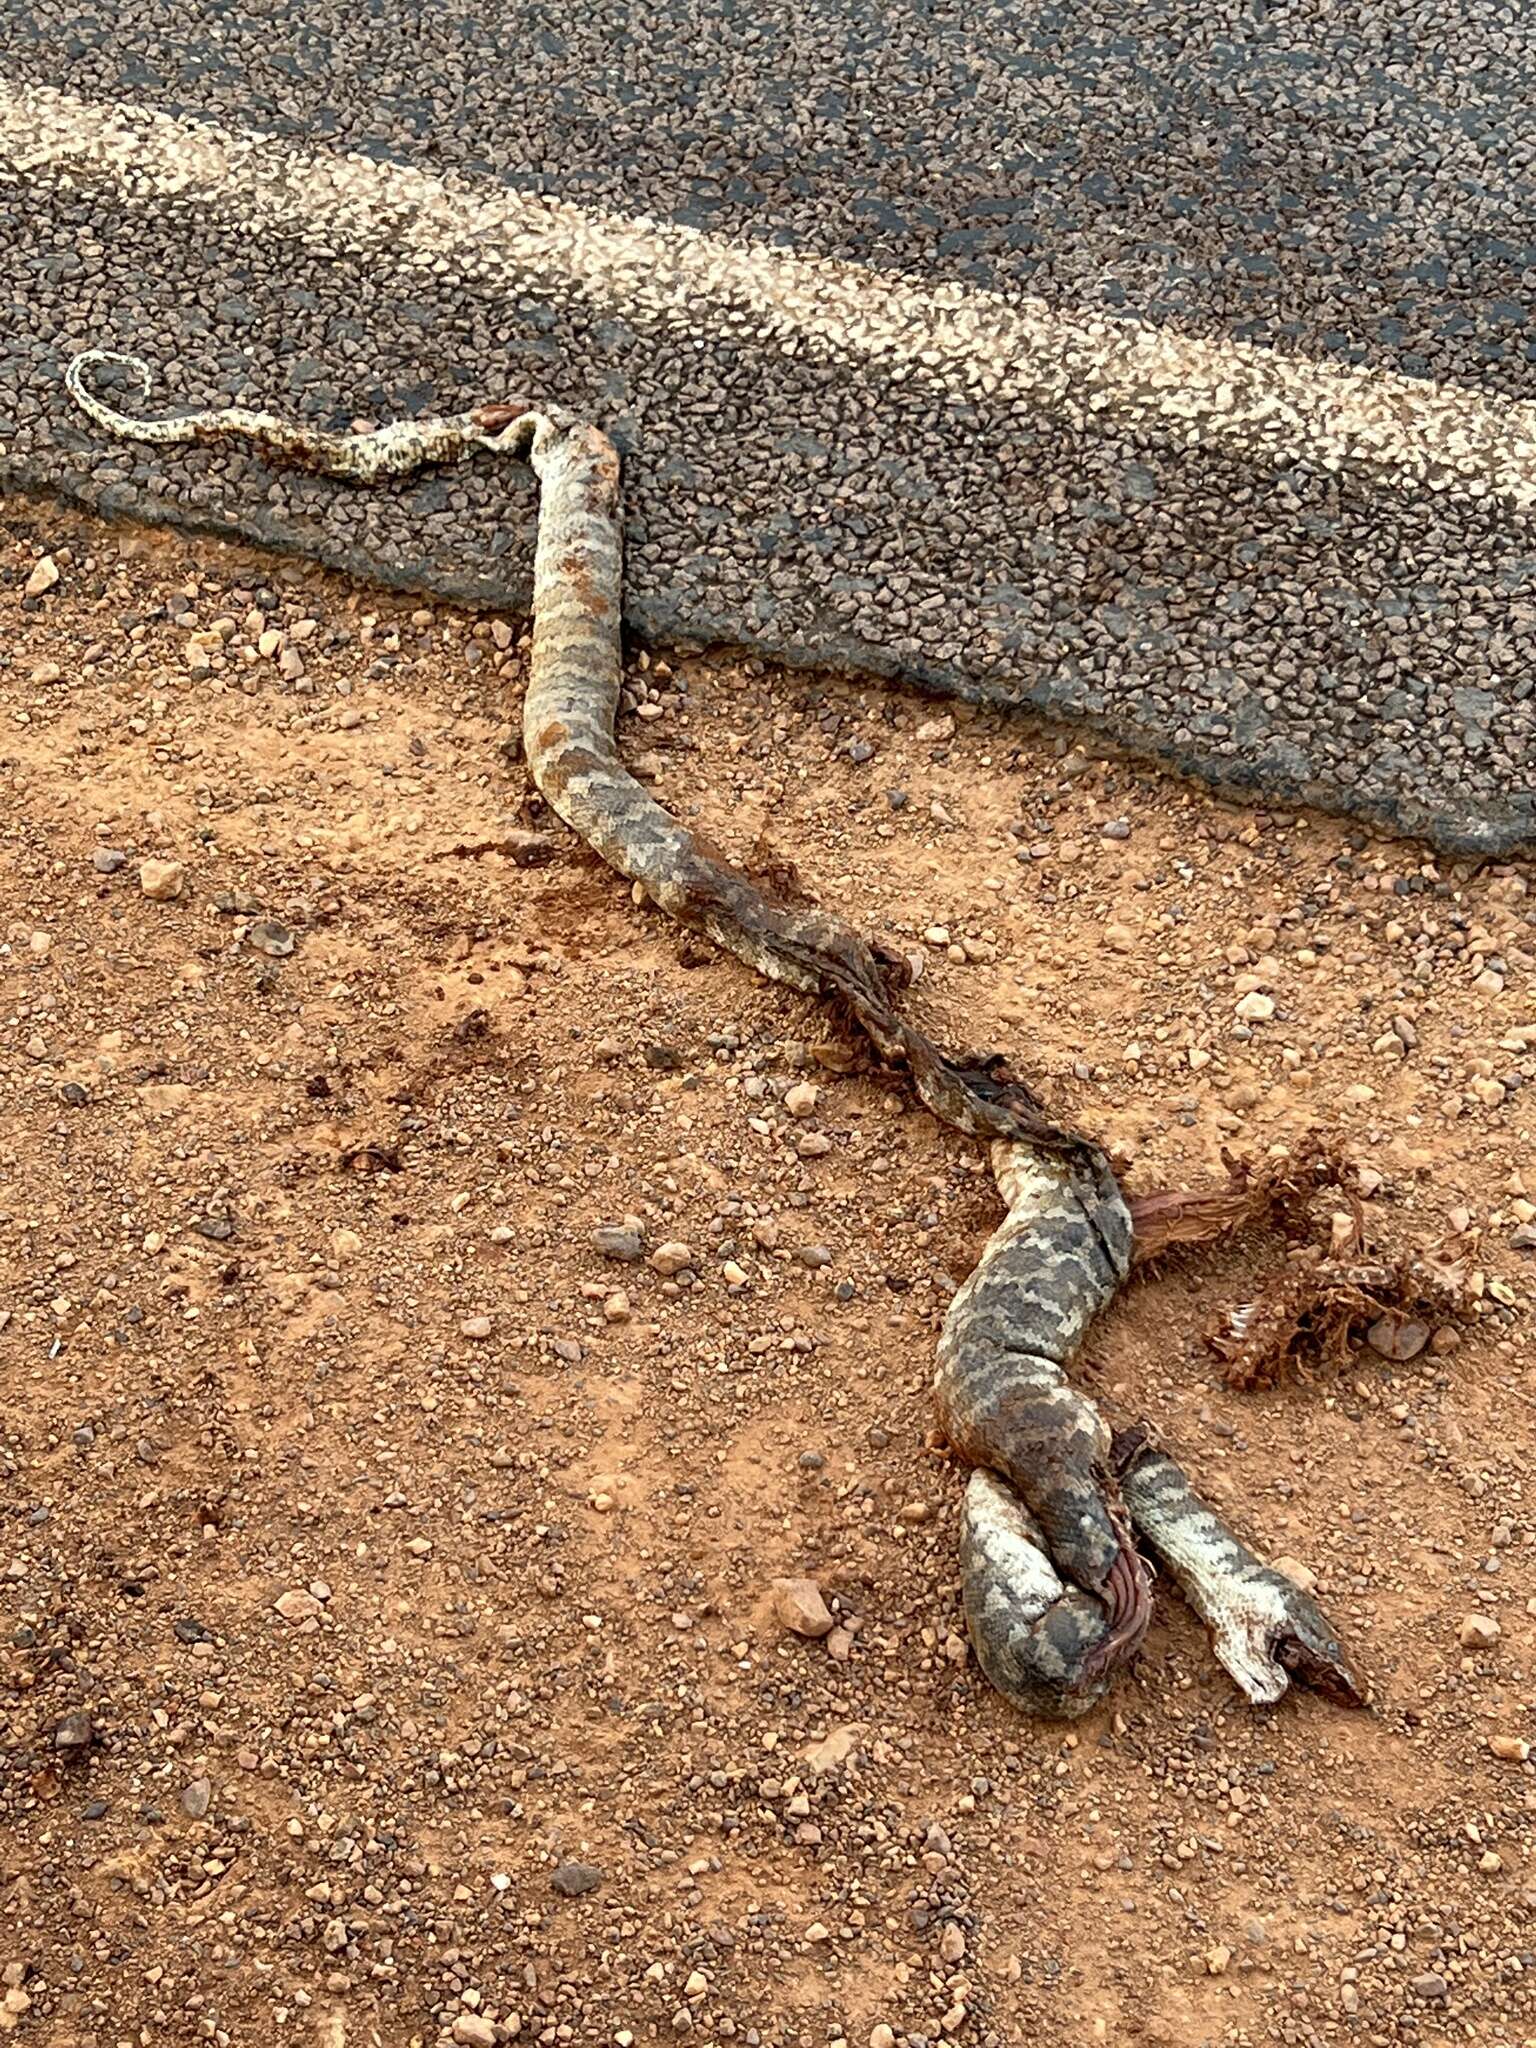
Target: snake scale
1056	1590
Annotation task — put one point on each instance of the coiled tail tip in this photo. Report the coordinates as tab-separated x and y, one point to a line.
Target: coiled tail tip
98	409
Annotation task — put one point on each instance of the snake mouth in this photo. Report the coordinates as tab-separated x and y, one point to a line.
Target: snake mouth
1271	1639
1321	1670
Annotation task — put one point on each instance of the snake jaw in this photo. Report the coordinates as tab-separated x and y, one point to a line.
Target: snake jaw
1273	1632
1313	1658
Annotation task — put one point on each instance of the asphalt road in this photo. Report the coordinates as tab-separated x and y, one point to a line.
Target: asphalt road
1273	615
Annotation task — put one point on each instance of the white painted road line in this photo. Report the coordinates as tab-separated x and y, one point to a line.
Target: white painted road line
1374	425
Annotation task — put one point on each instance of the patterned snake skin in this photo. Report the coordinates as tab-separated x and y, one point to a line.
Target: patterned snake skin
1056	1597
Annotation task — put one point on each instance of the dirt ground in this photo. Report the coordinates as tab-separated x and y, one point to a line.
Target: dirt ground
388	1655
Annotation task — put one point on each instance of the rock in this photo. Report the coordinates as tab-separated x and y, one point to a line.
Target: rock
619	1241
1431	1986
1217	1959
473	2030
881	2036
835	1747
1256	1007
269	937
106	860
570	1880
45	574
47	672
476	1328
196	1798
798	1605
1510	1749
801	1100
77	1731
1478	1632
671	1258
1396	1339
162	880
952	1943
1299	1574
297	1606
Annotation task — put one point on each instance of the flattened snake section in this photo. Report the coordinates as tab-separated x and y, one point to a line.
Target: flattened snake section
1056	1593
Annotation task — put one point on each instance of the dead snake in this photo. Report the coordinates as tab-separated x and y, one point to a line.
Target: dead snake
1056	1594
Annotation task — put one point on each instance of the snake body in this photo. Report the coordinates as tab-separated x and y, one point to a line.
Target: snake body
1007	1407
1056	1595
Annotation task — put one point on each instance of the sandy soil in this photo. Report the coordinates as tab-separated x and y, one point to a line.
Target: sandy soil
383	1563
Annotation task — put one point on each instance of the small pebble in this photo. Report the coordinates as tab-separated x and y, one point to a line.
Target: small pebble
76	1731
622	1242
269	937
162	880
473	2030
1397	1340
798	1605
1299	1574
297	1606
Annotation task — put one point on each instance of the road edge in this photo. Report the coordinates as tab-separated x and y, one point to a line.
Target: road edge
1496	834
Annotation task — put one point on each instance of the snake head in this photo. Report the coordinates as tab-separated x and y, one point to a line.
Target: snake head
1271	1632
